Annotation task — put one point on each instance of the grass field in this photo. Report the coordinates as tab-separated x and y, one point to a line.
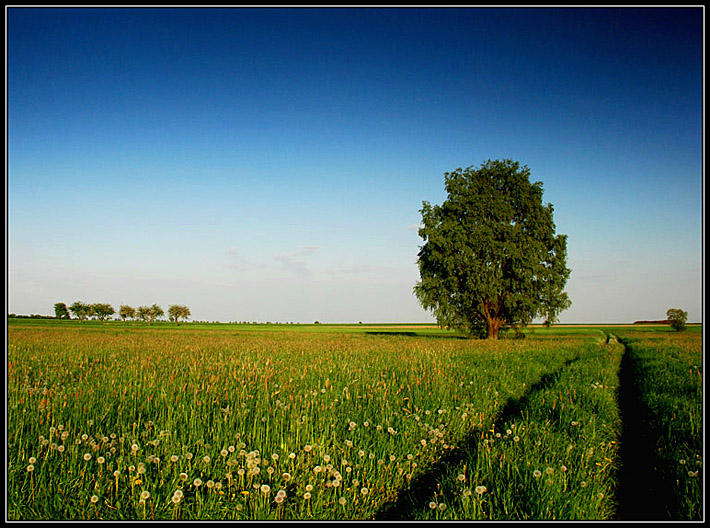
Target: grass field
227	421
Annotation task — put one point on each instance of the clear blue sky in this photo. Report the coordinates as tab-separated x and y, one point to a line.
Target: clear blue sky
270	164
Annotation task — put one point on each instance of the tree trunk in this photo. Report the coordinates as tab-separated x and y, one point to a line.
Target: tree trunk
494	325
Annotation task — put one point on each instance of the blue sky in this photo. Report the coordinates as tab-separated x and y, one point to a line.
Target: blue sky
270	164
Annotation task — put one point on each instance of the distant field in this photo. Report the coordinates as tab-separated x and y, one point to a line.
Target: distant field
216	421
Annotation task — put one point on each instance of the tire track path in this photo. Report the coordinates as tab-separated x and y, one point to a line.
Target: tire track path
642	497
425	485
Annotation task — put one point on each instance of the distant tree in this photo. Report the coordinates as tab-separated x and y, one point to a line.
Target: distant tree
676	318
144	314
157	311
103	311
81	310
177	312
61	311
150	313
126	312
491	257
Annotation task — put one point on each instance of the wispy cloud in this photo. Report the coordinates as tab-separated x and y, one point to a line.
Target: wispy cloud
414	227
235	258
291	262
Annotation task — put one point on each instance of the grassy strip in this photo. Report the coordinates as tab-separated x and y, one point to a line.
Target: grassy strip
550	456
668	377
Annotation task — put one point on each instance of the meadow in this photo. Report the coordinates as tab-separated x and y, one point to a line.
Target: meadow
119	421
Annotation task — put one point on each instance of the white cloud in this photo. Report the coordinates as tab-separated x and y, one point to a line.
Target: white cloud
292	264
236	261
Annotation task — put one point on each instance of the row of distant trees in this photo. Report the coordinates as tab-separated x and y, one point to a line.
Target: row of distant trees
103	311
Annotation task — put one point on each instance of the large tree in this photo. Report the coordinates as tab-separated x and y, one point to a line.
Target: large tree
490	256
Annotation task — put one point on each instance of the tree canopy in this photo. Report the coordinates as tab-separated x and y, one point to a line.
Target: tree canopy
149	313
61	311
676	318
177	312
490	256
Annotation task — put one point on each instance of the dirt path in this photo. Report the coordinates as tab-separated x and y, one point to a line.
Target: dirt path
642	497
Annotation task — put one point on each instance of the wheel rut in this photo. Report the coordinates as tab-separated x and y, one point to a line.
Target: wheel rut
424	486
641	494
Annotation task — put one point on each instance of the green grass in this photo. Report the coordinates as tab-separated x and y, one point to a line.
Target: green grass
668	368
313	422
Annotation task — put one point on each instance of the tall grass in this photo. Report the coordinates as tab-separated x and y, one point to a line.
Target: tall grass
549	456
109	423
236	422
669	378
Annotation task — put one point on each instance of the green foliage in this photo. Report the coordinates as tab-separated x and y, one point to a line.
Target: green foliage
81	310
149	313
61	311
490	256
126	312
177	312
102	311
677	318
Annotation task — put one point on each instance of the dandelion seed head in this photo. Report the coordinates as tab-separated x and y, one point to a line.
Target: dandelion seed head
145	495
481	490
94	499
